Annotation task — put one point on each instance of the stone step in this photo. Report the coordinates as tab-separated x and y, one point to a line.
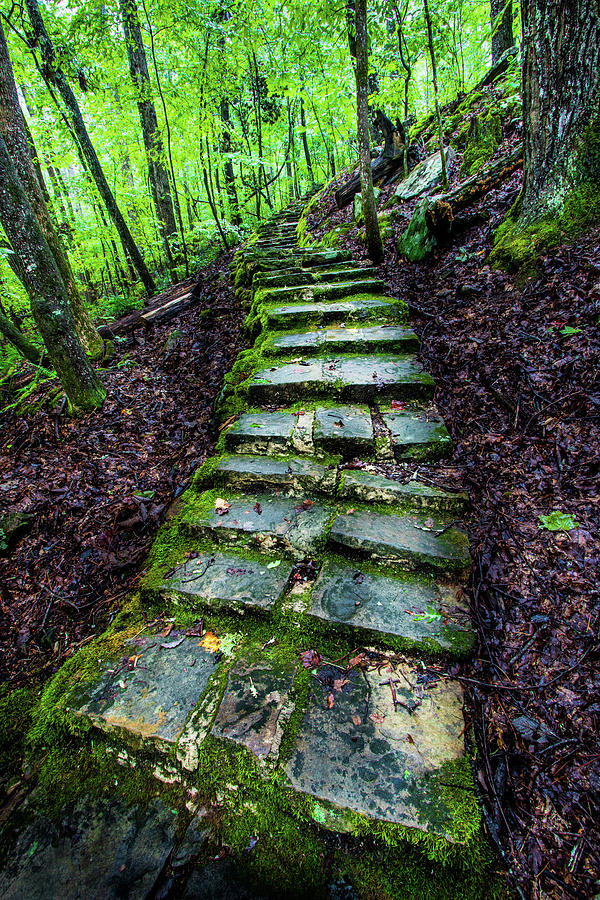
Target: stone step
261	432
294	266
266	473
340	338
388	747
367	487
300	315
344	430
228	582
429	616
417	434
359	378
414	542
316	293
276	524
316	275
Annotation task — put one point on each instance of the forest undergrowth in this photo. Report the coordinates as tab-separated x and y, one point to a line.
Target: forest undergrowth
97	488
516	366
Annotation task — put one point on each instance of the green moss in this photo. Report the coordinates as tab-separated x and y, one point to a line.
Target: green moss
333	238
16	709
485	134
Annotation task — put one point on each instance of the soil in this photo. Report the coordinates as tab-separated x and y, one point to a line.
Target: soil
97	488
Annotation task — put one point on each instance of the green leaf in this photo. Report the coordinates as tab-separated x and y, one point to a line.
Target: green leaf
558	521
274	565
567	330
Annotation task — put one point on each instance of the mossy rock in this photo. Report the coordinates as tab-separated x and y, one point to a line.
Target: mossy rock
417	241
485	134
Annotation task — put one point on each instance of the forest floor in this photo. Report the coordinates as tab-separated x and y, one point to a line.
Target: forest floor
516	366
97	488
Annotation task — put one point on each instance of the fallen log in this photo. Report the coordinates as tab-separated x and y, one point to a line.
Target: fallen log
172	301
441	217
383	168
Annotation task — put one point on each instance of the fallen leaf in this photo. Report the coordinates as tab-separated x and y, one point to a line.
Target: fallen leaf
311	659
306	504
210	642
172	644
377	717
338	683
221	506
357	720
330	701
258	508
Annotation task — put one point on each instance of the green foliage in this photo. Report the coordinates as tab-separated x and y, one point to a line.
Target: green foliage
558	521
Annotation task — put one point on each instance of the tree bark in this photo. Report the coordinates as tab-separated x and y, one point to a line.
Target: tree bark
14	131
55	78
374	242
48	296
561	103
501	14
12	334
305	142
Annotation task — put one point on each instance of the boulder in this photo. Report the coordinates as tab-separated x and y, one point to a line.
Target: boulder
424	179
417	241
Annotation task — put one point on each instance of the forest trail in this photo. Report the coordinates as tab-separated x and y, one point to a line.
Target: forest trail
313	602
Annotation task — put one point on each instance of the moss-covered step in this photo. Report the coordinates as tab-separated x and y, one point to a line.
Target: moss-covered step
282	473
390	748
359	378
316	275
261	432
414	542
160	694
299	315
427	615
256	705
280	524
369	487
346	339
418	434
316	293
347	430
227	581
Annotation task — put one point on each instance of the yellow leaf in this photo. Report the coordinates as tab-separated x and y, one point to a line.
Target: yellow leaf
210	642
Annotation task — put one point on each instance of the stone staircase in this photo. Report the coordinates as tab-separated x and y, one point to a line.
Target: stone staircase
312	579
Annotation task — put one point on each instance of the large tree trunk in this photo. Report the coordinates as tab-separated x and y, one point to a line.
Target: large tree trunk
48	296
14	131
501	15
157	173
55	77
374	242
561	112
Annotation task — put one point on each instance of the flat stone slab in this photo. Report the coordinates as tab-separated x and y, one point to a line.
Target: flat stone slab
228	581
261	432
369	488
381	759
316	275
403	539
353	378
150	704
282	524
323	292
426	614
255	706
390	338
263	472
417	434
424	178
344	429
300	314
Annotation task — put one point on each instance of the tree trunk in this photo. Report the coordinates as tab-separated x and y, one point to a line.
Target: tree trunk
157	173
305	143
12	334
561	100
14	131
501	14
55	78
435	94
230	186
48	296
374	242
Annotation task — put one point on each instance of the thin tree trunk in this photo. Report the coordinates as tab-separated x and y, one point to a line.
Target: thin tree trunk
374	242
230	186
55	77
501	14
48	296
435	94
305	142
157	173
14	131
16	337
